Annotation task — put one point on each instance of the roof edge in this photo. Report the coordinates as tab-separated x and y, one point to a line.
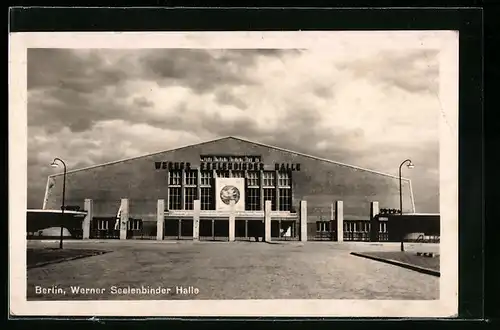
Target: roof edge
320	158
237	138
137	157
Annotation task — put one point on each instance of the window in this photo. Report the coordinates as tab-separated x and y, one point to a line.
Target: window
174	198
206	198
284	179
349	226
285	199
134	224
189	198
175	178
382	227
270	195
322	226
252	199
192	178
365	226
206	177
238	174
253	179
102	224
285	195
222	174
269	179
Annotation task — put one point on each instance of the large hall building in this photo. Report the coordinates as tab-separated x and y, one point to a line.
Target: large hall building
220	189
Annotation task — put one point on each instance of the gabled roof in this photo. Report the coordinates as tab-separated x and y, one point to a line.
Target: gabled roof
240	139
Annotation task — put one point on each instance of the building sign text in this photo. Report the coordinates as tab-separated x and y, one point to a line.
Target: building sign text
227	163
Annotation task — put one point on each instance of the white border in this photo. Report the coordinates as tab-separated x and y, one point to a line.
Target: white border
447	305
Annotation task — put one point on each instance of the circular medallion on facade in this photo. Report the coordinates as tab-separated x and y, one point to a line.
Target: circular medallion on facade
229	193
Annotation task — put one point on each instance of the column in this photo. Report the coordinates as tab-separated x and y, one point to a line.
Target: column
339	215
246	228
332	221
124	218
303	221
232	222
374	228
196	219
179	228
267	221
213	229
160	218
88	206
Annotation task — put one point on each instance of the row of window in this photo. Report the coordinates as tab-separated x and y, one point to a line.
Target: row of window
133	224
252	198
321	226
268	178
325	226
354	226
364	227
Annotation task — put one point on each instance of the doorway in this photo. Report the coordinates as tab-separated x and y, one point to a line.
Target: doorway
256	230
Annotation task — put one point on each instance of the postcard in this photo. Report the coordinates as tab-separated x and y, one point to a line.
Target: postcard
296	174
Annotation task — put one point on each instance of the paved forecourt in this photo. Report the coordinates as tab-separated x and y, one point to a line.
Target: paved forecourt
238	270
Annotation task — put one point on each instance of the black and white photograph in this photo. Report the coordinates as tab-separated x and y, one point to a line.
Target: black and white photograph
240	174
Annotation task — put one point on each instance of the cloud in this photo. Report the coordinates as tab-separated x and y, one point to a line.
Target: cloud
142	102
226	97
80	71
371	111
410	70
201	70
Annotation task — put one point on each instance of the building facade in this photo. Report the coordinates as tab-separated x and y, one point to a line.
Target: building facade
224	170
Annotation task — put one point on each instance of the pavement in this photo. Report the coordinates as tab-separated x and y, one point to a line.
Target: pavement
352	246
222	270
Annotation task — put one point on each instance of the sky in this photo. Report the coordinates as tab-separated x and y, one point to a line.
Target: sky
372	108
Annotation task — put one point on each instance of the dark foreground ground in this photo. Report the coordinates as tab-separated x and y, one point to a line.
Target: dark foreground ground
210	270
39	257
410	258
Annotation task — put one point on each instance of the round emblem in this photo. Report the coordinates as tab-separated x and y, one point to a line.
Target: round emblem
230	193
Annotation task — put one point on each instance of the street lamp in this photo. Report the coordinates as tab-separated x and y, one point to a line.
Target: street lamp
54	164
410	166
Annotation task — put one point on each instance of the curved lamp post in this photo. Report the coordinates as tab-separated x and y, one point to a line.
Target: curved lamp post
410	166
54	164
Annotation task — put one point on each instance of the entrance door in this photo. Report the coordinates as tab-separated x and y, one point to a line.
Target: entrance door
178	228
216	229
256	230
